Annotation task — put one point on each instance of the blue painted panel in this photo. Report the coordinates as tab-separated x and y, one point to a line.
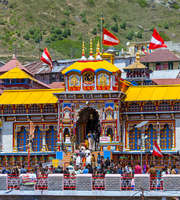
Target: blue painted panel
109	104
59	155
107	154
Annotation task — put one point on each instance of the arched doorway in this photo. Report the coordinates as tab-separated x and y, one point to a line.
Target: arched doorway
88	122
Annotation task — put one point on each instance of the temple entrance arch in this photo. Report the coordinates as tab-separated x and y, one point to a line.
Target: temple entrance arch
88	121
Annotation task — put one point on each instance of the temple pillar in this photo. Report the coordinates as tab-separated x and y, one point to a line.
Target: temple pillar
15	141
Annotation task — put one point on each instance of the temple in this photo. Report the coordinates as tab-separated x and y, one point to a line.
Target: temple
125	118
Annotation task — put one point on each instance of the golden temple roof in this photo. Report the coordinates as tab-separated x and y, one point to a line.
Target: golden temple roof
153	93
136	64
30	96
95	65
16	73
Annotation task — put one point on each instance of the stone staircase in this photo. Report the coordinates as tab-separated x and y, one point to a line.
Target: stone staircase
67	157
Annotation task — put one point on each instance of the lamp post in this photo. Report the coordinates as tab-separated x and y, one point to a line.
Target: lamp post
143	137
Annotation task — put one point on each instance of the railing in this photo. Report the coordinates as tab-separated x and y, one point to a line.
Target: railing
69	182
41	183
13	182
98	182
127	182
156	183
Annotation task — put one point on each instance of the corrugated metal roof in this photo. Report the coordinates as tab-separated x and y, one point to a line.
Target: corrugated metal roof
162	74
152	93
33	96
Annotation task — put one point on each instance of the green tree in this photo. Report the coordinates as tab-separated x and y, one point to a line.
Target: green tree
130	35
123	25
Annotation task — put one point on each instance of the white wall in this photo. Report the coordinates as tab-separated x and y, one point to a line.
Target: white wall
177	127
7	137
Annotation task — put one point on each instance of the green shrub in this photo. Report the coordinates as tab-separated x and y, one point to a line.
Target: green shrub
26	36
123	25
166	25
94	31
63	23
142	3
175	5
130	35
139	34
90	2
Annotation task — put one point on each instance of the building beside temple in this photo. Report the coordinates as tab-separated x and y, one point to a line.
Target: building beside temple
126	119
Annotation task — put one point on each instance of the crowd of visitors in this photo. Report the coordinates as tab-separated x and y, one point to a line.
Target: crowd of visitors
85	162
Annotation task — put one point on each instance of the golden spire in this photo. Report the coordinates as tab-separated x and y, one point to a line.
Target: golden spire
98	57
138	57
83	52
91	51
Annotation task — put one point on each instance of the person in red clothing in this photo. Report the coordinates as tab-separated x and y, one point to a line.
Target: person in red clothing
138	169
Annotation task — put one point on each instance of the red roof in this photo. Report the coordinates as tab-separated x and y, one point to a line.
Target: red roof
166	81
12	64
57	85
161	55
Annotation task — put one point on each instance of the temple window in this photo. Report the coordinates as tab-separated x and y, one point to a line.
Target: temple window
34	109
166	138
74	82
88	80
164	106
151	134
37	140
51	137
134	107
49	108
20	109
8	109
148	107
22	138
177	106
135	139
103	81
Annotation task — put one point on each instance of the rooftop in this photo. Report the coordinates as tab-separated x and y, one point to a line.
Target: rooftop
153	93
94	65
161	55
30	96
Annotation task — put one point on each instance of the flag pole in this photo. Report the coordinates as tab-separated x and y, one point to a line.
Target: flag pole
101	32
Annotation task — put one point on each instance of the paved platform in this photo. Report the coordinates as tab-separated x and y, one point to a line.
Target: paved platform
76	194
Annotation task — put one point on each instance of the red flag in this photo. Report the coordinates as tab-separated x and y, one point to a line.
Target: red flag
157	150
109	39
156	41
46	58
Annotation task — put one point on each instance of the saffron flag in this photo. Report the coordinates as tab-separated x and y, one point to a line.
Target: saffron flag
109	39
156	150
156	41
46	58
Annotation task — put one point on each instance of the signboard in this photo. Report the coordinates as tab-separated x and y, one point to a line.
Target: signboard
55	163
104	139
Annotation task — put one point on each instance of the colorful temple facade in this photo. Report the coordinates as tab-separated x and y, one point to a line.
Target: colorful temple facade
126	119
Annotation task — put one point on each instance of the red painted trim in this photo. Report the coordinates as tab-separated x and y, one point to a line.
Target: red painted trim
87	69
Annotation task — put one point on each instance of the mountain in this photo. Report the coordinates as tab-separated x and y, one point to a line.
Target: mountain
27	26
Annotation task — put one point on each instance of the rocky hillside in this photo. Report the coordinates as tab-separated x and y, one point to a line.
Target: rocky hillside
27	26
